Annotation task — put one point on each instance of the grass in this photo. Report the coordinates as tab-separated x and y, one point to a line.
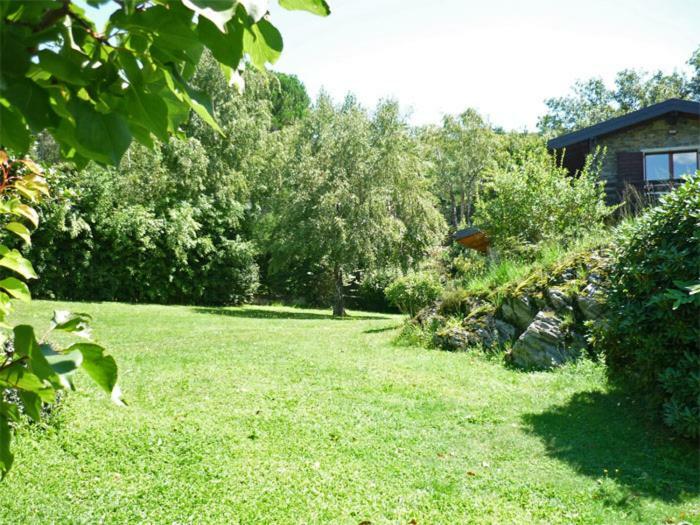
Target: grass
279	415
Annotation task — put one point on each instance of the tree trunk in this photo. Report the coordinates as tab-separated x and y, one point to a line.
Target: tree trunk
453	208
339	302
462	207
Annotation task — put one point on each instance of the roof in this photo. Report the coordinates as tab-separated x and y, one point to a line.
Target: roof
467	232
672	105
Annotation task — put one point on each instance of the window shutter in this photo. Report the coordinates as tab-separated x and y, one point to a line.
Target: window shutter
630	169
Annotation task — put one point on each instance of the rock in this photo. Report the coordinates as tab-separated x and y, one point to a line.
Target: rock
543	344
456	339
590	303
429	318
518	311
558	300
506	332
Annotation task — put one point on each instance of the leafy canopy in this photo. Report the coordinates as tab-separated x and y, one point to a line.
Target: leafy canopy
95	92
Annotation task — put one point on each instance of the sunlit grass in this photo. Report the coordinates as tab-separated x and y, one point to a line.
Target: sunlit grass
279	415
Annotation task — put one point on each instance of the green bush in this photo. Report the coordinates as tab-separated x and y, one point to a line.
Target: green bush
651	335
140	233
537	201
414	291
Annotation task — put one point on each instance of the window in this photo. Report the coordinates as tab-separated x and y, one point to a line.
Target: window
672	165
685	163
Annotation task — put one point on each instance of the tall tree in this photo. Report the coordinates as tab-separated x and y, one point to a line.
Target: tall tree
461	150
290	101
352	194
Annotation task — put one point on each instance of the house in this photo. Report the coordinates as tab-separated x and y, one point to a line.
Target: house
651	149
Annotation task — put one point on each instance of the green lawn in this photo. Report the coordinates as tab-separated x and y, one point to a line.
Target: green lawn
278	415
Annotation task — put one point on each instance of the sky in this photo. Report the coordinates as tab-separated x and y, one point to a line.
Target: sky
501	57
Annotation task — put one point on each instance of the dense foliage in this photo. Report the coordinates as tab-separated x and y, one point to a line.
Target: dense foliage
169	224
460	151
347	194
651	337
534	200
96	91
151	230
414	291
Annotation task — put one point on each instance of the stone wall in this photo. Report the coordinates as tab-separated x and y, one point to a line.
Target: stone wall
652	134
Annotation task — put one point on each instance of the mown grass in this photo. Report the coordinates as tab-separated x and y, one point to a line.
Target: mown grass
278	415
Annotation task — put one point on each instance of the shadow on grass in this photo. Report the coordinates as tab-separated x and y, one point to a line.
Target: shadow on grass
597	431
260	313
382	329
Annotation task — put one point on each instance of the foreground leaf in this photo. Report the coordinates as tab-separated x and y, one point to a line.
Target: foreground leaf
6	456
317	7
13	260
16	288
100	366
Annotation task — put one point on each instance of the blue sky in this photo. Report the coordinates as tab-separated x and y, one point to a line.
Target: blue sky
502	57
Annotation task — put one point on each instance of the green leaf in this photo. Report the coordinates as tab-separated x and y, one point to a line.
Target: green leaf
13	132
13	260
64	67
32	404
6	456
28	212
100	366
16	288
218	11
263	43
226	48
26	345
33	102
317	7
102	137
78	323
17	376
64	365
148	111
20	230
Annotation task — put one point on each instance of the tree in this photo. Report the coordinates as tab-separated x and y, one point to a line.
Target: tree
93	93
290	101
353	197
592	102
460	150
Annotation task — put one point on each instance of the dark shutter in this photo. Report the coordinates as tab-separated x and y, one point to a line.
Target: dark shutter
630	169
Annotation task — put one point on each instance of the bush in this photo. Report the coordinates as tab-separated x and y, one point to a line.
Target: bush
414	291
651	336
536	201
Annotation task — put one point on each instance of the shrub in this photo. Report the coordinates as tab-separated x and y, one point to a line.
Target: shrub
537	201
651	335
414	291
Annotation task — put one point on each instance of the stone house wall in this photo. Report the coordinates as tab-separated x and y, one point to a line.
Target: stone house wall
649	135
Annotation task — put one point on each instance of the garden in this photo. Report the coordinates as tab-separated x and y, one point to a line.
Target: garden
225	301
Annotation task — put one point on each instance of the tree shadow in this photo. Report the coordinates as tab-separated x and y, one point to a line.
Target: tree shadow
382	329
261	313
609	435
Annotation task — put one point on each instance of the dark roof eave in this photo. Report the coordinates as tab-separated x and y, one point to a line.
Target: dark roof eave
672	105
